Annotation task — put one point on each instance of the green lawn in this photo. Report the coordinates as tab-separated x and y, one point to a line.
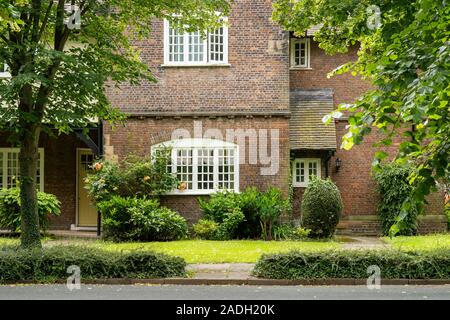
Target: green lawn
421	242
242	251
198	251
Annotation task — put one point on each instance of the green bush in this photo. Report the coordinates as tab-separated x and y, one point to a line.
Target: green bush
394	189
50	264
354	264
290	232
139	177
447	213
321	208
160	224
260	211
228	228
206	229
140	219
10	218
271	207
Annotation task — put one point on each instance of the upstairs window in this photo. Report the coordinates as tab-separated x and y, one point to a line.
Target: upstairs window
303	170
184	49
300	53
203	166
9	168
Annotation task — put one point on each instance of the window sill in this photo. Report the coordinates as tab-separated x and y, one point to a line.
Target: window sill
5	75
300	68
194	65
296	185
195	193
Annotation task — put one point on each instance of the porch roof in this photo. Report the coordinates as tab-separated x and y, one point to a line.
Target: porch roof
307	131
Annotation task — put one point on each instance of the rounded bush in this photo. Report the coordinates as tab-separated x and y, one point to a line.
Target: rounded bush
205	229
321	208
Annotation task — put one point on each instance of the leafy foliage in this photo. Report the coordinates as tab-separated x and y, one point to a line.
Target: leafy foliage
406	57
354	264
321	207
135	177
206	229
48	205
253	213
290	232
394	190
50	264
140	219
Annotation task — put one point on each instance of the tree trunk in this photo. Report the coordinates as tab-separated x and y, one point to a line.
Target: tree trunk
28	159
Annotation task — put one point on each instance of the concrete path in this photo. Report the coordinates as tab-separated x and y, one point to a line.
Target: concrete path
174	292
237	271
365	243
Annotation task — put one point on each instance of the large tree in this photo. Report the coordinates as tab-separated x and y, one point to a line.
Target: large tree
405	53
61	54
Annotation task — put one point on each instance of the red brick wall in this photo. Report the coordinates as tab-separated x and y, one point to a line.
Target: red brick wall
139	134
346	87
257	79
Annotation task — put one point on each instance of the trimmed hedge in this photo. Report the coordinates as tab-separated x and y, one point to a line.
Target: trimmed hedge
50	264
353	264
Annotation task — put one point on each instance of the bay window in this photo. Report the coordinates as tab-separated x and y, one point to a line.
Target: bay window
203	166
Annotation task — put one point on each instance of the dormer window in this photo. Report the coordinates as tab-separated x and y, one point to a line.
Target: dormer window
300	53
191	49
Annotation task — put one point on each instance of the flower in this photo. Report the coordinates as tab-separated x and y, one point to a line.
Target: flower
182	186
98	166
146	178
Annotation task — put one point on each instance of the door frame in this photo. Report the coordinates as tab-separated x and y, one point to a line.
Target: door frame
76	226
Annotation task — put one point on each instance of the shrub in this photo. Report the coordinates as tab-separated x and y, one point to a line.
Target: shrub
394	189
271	207
249	203
50	264
321	207
228	228
10	218
354	264
140	219
219	205
139	177
289	232
206	229
160	224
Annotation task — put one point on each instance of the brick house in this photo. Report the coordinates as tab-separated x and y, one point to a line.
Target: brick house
248	103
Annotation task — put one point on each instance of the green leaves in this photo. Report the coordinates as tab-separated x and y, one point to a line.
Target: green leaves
407	59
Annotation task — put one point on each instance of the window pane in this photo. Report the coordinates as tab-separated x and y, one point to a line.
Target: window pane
205	169
300	172
301	53
195	47
176	46
12	169
226	169
312	169
184	167
216	45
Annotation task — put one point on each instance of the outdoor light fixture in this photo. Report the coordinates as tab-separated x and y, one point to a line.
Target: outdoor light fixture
338	164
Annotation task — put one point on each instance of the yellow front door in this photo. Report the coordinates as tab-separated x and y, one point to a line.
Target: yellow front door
87	212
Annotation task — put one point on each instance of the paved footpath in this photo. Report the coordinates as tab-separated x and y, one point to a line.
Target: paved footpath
147	292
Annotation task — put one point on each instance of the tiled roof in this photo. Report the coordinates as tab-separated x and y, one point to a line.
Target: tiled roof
307	131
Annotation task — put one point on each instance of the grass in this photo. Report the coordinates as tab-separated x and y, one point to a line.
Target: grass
417	243
199	251
239	251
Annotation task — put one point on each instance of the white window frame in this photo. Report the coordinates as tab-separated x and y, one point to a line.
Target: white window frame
5	151
5	73
307	42
306	162
195	145
207	61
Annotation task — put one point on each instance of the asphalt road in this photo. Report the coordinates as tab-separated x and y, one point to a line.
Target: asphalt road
172	292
